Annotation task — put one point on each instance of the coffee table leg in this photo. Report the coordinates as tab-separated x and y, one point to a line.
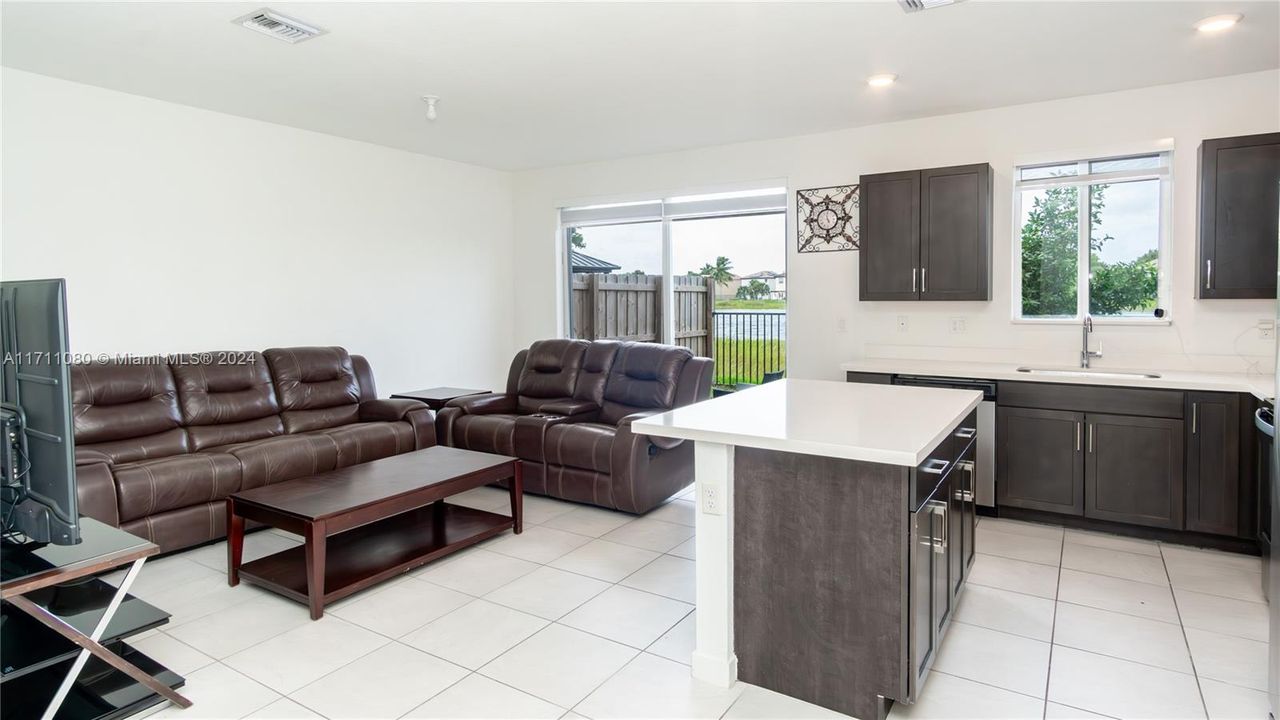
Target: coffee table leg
235	543
315	540
517	498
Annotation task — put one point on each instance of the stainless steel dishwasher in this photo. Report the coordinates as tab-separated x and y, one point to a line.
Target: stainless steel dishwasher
986	461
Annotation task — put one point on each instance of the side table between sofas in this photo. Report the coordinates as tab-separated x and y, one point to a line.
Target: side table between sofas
436	398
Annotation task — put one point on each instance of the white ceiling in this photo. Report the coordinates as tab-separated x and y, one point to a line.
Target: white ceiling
540	84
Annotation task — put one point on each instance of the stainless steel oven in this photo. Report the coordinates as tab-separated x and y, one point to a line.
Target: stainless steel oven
985	488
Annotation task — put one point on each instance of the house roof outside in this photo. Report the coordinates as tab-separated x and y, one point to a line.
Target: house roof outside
581	263
764	275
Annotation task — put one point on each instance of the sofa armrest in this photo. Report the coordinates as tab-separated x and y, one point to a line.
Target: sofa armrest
389	409
572	409
96	491
88	456
664	443
486	404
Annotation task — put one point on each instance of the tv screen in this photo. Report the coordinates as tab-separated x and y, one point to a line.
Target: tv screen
38	493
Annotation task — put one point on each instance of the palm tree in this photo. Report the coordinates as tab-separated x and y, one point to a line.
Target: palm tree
721	272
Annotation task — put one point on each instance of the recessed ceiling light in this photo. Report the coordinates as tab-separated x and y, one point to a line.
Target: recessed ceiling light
882	80
1218	23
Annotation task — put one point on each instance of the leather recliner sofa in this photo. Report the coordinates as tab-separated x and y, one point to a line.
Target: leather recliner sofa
567	414
160	445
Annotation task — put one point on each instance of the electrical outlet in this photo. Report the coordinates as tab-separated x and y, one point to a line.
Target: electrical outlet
712	498
902	323
1266	329
958	325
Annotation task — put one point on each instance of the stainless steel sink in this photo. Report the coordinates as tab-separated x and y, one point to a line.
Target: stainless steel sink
1087	372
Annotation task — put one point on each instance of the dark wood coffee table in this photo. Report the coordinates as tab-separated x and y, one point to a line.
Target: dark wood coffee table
369	522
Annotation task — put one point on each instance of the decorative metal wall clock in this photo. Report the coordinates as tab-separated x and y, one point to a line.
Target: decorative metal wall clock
827	219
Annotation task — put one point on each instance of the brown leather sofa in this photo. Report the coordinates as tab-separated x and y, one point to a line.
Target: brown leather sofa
567	413
160	445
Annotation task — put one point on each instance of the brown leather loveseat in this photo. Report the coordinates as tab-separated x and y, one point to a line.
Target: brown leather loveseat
160	445
567	414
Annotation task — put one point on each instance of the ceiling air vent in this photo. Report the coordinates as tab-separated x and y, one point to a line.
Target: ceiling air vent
918	5
270	22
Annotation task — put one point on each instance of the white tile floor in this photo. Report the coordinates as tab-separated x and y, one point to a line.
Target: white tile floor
590	614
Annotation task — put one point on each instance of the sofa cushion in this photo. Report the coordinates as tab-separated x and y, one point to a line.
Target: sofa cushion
580	445
128	411
644	376
597	361
367	441
485	433
285	457
550	371
224	403
152	486
316	386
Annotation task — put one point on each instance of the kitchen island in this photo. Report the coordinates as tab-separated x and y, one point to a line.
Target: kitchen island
834	533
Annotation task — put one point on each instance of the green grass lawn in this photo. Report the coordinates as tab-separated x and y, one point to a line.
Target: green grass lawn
746	361
751	304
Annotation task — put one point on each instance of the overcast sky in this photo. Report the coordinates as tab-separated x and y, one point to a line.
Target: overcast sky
751	243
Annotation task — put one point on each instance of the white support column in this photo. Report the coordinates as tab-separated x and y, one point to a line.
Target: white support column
714	660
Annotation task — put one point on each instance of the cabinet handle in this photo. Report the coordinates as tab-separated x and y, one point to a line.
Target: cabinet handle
966	433
913	279
923	285
1208	274
1195	417
934	466
1077	436
1090	437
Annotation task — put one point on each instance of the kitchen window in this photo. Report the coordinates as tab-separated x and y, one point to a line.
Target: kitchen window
1092	239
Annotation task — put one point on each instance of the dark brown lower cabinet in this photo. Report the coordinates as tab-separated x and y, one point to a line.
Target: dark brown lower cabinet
1133	470
962	517
1039	459
1213	463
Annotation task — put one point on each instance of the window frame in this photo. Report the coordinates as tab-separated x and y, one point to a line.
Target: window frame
771	198
1081	181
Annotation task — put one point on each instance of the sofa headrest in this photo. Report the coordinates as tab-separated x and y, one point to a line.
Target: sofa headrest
119	401
644	377
596	364
311	378
551	368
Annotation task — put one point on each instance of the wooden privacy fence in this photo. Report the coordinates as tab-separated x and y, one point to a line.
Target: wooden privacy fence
630	307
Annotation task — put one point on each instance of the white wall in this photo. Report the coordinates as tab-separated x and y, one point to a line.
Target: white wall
180	229
822	288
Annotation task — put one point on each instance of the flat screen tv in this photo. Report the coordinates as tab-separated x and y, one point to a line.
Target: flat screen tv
38	477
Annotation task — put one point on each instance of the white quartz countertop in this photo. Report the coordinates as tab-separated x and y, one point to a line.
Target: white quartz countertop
876	423
1261	386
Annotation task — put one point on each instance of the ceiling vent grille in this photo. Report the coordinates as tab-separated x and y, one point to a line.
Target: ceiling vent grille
912	6
270	22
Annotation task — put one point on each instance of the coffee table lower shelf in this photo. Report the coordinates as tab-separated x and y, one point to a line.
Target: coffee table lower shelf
369	554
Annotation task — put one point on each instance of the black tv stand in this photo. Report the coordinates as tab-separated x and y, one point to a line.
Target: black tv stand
35	658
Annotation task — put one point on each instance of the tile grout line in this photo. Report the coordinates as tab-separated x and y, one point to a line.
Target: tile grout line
1053	629
1183	628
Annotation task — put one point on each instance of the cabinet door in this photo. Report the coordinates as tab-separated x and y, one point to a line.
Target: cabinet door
942	551
921	594
961	530
1133	470
1213	463
955	233
1040	459
889	236
1239	204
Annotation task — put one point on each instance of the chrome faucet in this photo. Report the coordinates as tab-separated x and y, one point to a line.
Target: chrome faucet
1085	352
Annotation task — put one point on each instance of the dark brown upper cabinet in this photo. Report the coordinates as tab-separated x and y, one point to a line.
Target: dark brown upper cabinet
889	236
926	234
1239	204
